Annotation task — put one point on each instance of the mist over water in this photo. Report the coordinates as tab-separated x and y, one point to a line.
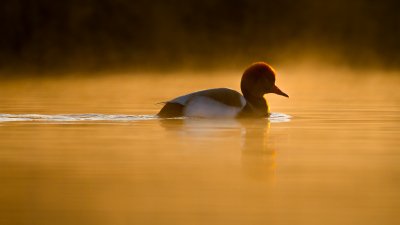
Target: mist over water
69	36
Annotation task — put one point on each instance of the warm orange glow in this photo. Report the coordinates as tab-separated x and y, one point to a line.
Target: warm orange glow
334	159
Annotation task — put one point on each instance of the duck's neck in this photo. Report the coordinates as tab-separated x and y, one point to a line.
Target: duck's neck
255	106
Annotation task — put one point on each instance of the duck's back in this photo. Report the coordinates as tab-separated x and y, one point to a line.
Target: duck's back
212	103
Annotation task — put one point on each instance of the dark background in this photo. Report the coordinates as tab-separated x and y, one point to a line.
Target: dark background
41	36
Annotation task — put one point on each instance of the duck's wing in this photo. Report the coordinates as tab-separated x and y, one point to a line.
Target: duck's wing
225	96
181	99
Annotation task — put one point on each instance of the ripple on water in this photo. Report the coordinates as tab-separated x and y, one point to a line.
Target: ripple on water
274	117
72	118
278	118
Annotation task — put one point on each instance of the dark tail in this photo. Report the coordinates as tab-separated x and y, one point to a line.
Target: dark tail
171	110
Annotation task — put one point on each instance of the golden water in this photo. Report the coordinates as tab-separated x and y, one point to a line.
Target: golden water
333	157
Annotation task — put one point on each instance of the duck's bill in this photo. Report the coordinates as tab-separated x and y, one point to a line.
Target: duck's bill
278	91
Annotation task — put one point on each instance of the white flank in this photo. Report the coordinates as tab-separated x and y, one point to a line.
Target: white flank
206	107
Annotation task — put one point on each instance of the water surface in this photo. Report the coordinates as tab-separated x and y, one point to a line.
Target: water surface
88	150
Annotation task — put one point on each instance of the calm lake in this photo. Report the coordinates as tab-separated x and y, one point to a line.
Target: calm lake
88	150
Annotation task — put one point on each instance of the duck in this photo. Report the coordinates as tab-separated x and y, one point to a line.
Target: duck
257	80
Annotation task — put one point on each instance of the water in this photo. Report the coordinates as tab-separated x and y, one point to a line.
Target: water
86	150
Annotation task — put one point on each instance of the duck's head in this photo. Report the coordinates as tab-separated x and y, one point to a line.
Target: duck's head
259	79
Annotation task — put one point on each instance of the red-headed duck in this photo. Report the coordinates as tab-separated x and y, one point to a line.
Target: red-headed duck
258	79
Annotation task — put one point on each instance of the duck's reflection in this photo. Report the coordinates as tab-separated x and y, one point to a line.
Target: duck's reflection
172	124
257	143
258	151
199	127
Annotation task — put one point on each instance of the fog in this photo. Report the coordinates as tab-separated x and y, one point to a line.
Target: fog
68	36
